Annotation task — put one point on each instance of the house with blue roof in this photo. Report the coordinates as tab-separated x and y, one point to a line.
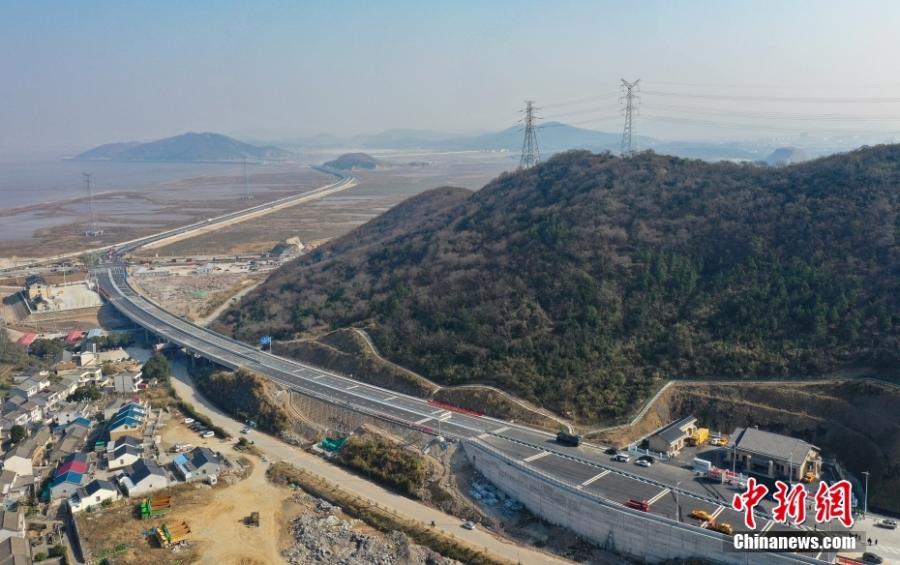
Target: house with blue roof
128	420
81	421
65	484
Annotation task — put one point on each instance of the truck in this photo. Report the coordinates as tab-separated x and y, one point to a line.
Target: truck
702	466
642	505
700	437
565	438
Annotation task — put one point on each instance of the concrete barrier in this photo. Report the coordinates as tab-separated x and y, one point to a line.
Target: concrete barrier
639	535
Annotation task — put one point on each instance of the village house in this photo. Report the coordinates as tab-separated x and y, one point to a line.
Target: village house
12	524
198	463
143	477
94	493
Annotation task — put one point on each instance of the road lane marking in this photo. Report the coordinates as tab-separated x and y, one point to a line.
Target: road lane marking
352	387
661	494
484	435
500	430
389	398
768	526
717	512
536	456
319	377
594	478
423	420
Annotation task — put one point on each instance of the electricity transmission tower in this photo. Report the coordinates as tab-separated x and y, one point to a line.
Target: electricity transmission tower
629	98
531	154
93	229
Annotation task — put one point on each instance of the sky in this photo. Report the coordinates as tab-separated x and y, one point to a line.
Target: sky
77	74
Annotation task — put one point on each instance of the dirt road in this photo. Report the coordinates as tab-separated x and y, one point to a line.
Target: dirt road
278	450
218	526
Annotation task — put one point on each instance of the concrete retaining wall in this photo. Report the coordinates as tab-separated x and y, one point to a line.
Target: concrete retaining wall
636	534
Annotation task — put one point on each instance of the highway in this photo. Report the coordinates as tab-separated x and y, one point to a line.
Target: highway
223	219
587	467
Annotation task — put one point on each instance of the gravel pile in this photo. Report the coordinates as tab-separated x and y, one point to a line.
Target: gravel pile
328	536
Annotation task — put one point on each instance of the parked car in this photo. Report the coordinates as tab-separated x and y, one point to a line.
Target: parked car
208	434
188	421
643	463
469	525
245	430
869	557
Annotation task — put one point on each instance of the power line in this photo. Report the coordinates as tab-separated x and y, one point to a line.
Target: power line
581	100
737	125
584	111
819	99
531	153
629	97
768	115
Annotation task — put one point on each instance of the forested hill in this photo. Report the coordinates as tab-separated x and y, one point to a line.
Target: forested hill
579	283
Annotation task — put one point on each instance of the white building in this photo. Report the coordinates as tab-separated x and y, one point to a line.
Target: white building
94	493
143	477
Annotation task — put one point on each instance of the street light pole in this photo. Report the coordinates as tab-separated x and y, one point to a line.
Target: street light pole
866	496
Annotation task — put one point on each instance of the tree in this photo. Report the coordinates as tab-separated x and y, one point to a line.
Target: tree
157	367
16	433
46	349
85	392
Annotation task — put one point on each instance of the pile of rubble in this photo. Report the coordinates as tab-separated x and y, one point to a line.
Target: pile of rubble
328	536
489	495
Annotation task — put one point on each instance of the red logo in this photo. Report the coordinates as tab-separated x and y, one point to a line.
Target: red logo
747	501
834	502
791	503
831	502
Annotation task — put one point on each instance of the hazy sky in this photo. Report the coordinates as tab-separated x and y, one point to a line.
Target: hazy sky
75	74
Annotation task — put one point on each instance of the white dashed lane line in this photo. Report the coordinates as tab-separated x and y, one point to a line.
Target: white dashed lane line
594	478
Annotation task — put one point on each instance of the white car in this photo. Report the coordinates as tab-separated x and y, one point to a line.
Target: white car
188	421
469	525
622	457
642	463
208	434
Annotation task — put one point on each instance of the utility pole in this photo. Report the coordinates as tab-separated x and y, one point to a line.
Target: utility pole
531	154
247	195
866	496
629	97
93	230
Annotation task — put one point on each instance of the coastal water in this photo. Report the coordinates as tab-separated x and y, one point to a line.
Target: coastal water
24	183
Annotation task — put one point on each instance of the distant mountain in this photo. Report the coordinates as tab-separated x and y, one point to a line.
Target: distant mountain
186	147
351	161
553	137
787	156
